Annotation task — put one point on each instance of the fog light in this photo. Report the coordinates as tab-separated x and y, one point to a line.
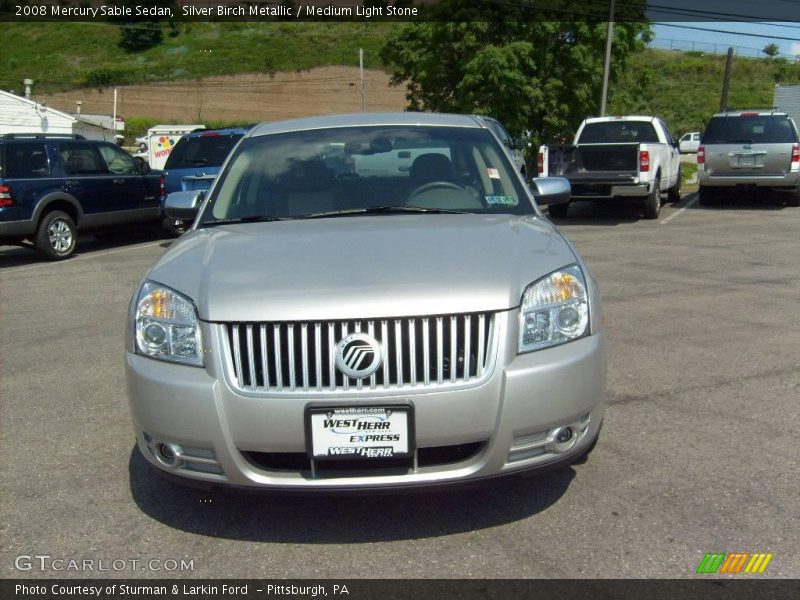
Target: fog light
563	435
167	454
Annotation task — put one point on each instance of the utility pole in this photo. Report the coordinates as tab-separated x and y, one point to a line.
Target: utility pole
607	61
726	82
361	76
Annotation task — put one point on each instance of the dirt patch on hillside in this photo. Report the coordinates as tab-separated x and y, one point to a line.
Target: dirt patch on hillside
250	97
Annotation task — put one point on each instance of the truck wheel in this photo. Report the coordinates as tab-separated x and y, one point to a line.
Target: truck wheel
56	236
652	204
558	211
706	196
674	193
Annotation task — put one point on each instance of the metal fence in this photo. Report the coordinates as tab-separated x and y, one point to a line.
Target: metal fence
711	48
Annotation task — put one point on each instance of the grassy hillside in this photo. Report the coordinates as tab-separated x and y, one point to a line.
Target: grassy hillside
63	56
682	88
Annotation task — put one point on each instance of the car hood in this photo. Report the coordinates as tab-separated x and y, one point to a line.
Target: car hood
361	267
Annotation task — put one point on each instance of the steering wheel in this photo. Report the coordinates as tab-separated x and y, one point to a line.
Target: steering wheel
434	185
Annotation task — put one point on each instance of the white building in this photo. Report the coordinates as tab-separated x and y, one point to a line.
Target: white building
22	115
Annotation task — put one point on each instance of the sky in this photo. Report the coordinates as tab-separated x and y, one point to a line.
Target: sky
746	24
749	39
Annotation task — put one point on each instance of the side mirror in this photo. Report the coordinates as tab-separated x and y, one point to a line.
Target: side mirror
141	163
551	190
184	205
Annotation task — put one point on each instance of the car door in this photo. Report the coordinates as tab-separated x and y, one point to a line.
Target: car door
127	184
87	180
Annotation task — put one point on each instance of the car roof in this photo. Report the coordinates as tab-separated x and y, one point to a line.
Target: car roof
367	120
222	131
752	112
620	118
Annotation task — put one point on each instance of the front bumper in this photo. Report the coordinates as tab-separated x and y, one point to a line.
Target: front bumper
504	425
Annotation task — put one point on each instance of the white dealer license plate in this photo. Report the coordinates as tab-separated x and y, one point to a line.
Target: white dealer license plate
359	432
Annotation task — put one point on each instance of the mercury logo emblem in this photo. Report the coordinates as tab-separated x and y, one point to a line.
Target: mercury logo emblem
358	355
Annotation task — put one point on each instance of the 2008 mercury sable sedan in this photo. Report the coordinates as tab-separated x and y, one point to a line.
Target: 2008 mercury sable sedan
366	301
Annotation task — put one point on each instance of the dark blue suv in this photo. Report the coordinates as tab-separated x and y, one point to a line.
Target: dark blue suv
53	186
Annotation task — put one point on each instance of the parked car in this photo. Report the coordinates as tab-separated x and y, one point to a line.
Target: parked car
689	142
53	186
514	146
326	329
613	158
195	161
753	149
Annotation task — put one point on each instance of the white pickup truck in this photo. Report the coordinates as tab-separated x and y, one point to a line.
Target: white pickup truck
617	157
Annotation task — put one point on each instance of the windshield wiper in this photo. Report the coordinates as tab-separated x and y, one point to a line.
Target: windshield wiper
250	219
377	210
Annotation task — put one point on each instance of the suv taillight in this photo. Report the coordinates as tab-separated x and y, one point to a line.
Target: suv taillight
644	160
796	153
5	196
162	187
701	155
540	163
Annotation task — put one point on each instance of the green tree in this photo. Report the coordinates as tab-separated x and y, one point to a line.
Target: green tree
527	71
772	50
141	33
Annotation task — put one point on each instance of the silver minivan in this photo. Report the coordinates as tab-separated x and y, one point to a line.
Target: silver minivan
749	149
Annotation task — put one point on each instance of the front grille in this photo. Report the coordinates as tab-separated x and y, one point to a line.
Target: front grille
416	352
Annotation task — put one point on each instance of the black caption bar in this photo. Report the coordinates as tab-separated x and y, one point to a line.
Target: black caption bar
480	589
401	10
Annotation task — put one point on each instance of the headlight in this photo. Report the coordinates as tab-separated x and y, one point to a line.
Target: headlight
166	325
554	310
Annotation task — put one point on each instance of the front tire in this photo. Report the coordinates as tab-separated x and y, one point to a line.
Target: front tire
674	193
57	236
558	211
794	198
706	196
652	204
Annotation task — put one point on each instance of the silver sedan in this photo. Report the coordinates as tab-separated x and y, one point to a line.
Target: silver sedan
366	301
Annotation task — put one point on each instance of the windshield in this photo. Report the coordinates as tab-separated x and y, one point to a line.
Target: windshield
619	132
367	170
756	129
203	150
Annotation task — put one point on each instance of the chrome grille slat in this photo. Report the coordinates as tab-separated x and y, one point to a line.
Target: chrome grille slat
412	346
426	352
467	338
237	354
318	355
385	350
421	352
304	354
439	351
264	356
276	331
398	349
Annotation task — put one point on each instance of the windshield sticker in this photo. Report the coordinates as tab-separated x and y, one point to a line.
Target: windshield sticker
505	200
493	173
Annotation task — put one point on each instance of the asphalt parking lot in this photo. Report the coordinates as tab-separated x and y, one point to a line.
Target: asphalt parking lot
698	452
